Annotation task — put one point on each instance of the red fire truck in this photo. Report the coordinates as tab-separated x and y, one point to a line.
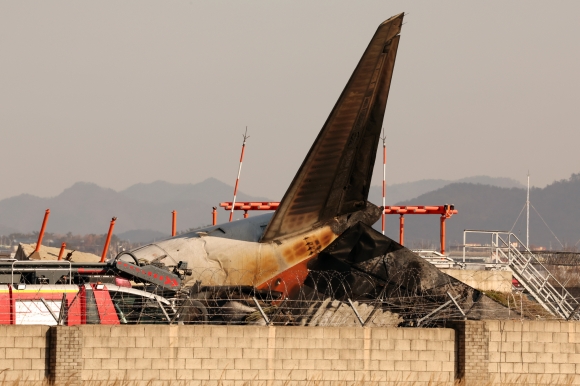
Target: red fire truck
91	303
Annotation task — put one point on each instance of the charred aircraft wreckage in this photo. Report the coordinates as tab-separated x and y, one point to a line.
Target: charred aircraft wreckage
318	251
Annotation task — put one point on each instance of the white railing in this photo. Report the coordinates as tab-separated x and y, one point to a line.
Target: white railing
438	259
531	274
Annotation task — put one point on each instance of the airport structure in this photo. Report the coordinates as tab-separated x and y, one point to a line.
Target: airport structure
308	293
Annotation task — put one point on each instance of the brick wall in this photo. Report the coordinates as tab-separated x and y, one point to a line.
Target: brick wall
23	352
542	352
65	362
472	351
545	352
266	354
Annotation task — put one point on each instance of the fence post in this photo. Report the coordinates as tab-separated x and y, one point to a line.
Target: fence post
66	361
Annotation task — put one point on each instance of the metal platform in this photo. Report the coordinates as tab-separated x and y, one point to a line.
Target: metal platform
531	273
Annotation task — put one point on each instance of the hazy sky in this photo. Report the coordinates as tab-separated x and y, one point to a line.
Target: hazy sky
120	92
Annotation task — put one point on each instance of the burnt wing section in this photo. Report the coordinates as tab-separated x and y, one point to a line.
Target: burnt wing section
362	264
335	177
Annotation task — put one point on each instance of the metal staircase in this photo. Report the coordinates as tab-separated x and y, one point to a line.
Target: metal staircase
533	276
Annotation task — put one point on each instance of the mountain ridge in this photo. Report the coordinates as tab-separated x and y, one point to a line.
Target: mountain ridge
144	210
397	193
85	208
553	208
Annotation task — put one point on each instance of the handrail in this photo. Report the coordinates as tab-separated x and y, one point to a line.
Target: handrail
493	233
531	273
537	262
35	268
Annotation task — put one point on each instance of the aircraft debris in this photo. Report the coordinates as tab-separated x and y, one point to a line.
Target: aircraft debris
315	260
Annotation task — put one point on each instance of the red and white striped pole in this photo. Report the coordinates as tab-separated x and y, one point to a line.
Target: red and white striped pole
384	178
239	171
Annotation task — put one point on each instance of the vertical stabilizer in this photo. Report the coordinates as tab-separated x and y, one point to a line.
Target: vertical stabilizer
335	177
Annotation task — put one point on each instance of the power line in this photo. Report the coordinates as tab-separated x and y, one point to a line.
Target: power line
562	245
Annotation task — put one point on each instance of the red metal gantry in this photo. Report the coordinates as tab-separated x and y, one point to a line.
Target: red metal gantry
246	206
446	211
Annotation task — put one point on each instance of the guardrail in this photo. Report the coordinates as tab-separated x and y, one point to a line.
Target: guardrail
530	272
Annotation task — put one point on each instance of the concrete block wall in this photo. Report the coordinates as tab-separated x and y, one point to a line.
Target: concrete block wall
23	353
540	352
543	352
483	280
268	355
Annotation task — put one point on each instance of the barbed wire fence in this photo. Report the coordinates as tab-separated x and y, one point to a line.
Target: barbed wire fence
324	298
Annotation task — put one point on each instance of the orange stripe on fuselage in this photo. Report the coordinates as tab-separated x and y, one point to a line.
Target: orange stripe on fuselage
288	282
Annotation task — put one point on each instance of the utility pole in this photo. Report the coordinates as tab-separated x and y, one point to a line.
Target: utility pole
528	214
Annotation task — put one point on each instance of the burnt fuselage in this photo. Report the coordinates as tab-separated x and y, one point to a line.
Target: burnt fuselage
231	254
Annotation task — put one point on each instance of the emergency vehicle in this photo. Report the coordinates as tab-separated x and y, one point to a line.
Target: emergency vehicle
66	293
91	303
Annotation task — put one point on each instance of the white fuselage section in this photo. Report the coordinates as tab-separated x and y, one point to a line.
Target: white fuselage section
217	259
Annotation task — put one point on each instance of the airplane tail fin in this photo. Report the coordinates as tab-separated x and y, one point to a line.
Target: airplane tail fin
335	176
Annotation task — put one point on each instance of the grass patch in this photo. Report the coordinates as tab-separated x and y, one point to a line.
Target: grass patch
520	304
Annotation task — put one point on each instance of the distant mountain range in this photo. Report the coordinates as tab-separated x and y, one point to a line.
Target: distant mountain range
407	191
144	210
554	213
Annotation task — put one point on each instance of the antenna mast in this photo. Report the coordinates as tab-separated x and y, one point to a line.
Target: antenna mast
384	179
528	214
239	171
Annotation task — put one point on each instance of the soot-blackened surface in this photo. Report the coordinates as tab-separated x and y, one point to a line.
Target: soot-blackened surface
363	264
